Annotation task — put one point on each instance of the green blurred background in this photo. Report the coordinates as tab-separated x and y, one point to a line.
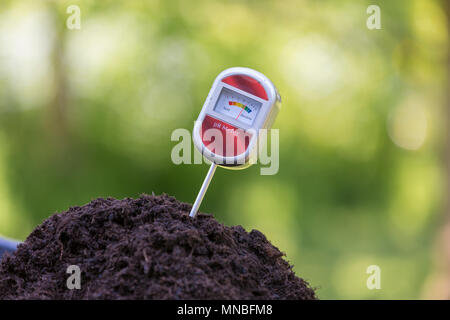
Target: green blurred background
89	113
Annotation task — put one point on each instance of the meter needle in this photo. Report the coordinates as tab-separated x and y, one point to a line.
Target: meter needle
203	189
239	114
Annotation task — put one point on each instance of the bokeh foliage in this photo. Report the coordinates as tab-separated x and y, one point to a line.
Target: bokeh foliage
89	113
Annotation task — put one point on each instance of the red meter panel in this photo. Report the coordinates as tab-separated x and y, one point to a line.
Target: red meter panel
247	84
226	140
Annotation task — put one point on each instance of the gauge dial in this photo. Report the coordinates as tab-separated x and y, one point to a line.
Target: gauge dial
237	106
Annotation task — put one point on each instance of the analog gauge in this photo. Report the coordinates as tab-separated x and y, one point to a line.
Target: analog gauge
237	106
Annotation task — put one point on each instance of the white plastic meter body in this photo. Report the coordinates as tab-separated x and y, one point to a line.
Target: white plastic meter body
240	103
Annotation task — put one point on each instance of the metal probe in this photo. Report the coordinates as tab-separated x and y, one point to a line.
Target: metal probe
203	189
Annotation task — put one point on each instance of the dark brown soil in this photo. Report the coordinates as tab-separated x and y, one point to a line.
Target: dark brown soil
147	248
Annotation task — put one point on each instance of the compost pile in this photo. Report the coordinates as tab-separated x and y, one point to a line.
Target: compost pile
147	248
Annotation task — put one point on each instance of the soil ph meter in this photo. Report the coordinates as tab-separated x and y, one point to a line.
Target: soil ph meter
240	103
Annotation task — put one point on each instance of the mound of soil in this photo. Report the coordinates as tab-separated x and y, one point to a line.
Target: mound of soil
146	248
